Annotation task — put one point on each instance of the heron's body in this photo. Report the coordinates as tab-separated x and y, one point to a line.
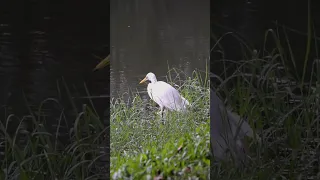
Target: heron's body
227	130
165	95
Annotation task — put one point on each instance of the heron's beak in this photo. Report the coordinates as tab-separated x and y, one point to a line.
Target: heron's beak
103	63
143	80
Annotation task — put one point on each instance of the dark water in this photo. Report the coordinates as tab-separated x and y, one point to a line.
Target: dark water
250	19
150	36
43	41
46	43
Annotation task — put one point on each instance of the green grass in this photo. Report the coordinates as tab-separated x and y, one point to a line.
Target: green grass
282	108
34	151
144	146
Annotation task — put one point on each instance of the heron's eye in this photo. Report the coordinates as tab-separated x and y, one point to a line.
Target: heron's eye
149	81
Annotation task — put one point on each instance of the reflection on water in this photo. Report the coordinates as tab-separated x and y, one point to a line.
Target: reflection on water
151	36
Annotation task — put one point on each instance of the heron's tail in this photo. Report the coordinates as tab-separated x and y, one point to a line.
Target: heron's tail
184	104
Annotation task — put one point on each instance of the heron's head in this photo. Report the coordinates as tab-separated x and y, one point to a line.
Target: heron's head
149	77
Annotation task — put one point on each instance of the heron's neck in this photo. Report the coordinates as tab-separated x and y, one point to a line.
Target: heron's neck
154	80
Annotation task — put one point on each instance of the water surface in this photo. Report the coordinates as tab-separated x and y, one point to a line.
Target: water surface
153	36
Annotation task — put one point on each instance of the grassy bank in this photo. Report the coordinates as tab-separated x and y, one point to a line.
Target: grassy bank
40	145
282	107
143	145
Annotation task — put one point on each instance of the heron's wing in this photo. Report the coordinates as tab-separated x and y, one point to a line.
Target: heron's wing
166	95
219	131
240	127
227	129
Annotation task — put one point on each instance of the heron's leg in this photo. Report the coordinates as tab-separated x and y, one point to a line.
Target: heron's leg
160	112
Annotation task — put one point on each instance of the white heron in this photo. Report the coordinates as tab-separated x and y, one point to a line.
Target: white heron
164	94
227	131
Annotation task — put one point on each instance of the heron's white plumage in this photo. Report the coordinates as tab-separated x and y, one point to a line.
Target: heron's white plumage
164	94
227	130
